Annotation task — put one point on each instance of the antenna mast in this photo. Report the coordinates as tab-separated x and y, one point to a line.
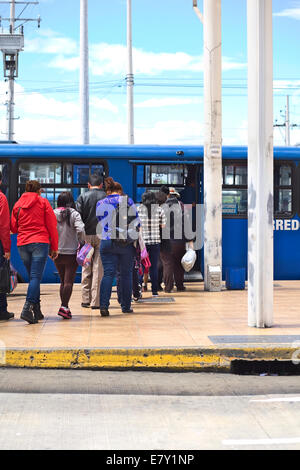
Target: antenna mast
11	44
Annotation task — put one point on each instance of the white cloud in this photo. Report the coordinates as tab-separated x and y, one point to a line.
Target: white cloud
111	59
50	42
65	63
163	102
103	103
293	13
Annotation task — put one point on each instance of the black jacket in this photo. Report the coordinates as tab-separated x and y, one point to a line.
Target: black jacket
86	206
176	220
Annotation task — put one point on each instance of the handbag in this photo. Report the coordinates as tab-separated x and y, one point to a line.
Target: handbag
13	278
5	277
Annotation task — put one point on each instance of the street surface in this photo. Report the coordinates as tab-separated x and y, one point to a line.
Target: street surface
56	409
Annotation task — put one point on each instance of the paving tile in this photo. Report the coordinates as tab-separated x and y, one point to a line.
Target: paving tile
188	321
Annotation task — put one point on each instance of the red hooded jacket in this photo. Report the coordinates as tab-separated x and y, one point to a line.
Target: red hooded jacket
34	221
4	224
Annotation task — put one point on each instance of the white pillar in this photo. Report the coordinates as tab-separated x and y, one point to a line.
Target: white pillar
212	136
129	77
260	164
84	74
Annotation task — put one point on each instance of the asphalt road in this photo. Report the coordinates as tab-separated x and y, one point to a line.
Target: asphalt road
72	409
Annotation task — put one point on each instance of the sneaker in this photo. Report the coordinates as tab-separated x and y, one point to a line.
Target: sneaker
6	316
104	312
87	305
154	294
65	313
129	310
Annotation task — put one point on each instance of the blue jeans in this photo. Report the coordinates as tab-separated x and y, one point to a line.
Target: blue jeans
34	257
153	251
3	301
114	257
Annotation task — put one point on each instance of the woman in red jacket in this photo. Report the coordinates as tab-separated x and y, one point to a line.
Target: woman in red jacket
34	221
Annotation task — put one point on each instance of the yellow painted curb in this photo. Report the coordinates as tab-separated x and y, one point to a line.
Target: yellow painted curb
150	358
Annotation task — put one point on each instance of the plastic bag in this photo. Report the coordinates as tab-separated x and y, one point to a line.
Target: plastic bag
188	260
84	254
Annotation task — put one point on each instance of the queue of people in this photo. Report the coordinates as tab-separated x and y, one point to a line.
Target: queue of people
95	218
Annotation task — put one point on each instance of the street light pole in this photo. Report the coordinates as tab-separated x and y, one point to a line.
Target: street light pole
84	73
260	163
212	142
129	76
11	82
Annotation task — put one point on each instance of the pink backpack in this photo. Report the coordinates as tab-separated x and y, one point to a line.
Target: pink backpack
84	254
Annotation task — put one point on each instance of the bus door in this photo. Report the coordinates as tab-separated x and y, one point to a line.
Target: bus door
186	178
192	197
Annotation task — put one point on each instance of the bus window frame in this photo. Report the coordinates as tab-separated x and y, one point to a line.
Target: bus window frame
235	162
293	187
60	160
7	161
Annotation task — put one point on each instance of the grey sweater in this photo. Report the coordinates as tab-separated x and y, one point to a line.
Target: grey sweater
69	236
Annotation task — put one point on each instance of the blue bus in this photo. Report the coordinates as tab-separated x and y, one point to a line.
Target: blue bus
140	167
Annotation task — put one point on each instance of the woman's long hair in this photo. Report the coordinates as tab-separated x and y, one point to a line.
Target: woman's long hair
112	186
65	199
148	200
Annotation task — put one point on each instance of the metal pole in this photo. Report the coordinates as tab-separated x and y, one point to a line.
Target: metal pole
287	123
212	139
84	74
11	83
260	163
129	77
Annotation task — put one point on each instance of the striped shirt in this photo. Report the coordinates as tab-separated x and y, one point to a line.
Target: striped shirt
151	226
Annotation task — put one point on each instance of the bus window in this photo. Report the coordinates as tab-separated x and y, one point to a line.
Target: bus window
45	173
152	177
283	189
57	177
5	178
234	192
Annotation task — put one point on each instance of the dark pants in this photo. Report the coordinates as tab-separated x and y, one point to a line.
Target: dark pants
171	261
34	257
114	257
153	251
3	301
66	266
136	284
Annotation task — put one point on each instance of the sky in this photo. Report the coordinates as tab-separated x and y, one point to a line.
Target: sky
168	71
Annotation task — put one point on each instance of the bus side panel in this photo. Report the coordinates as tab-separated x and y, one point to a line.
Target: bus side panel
122	172
234	244
287	250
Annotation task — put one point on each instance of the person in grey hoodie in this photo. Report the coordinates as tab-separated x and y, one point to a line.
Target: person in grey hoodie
70	232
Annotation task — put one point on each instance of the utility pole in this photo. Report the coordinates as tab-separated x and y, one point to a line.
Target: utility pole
129	77
260	163
287	123
211	19
10	45
84	73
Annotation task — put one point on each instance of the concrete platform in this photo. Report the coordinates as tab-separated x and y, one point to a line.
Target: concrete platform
191	330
